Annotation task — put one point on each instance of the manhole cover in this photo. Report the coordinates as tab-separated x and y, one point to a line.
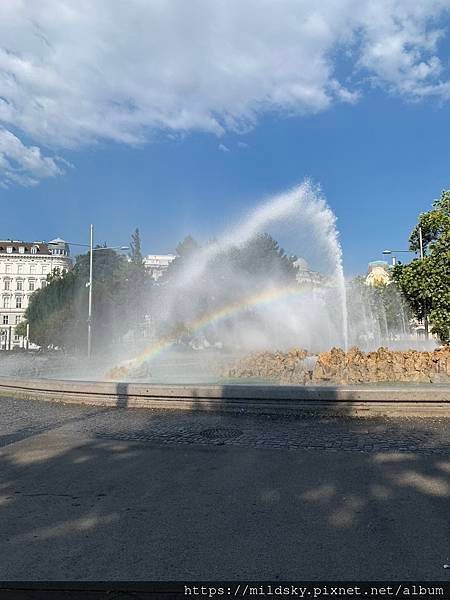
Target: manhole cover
220	433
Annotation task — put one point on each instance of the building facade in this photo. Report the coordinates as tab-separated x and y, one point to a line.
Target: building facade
378	273
24	267
156	264
306	277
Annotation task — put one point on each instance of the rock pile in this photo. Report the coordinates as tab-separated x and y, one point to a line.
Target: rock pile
336	366
283	367
356	366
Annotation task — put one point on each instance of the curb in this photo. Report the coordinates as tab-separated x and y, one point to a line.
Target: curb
395	401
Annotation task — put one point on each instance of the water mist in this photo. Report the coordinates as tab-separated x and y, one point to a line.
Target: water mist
210	298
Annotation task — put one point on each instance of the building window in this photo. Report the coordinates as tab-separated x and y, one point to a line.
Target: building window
5	319
43	283
18	319
21	250
9	249
6	302
7	268
34	250
18	301
7	283
19	284
32	269
16	338
20	269
31	285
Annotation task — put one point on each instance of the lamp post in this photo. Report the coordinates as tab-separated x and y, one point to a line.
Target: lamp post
89	283
425	314
91	264
394	252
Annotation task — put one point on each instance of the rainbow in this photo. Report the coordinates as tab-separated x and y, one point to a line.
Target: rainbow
262	298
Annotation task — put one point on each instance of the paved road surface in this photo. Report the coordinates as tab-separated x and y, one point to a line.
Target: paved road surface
139	494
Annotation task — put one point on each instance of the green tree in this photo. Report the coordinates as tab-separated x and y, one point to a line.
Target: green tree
228	276
185	250
135	245
426	283
139	285
435	225
187	247
58	313
21	329
262	257
260	260
384	303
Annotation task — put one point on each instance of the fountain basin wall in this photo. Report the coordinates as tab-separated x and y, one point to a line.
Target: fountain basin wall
339	367
421	401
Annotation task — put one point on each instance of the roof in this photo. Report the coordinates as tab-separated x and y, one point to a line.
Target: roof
41	247
378	263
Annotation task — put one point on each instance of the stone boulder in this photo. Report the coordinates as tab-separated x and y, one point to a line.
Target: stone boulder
339	367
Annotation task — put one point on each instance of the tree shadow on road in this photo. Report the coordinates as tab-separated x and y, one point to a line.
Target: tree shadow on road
78	508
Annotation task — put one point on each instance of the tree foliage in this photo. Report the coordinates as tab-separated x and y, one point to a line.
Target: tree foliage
124	293
260	258
21	329
136	251
58	313
426	283
226	277
385	304
138	281
187	247
435	225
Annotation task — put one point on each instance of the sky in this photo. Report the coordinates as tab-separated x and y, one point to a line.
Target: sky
179	117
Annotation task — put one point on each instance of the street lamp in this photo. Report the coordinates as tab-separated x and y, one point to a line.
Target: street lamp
425	315
393	252
89	284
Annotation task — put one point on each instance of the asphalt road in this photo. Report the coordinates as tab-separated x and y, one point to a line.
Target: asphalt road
98	494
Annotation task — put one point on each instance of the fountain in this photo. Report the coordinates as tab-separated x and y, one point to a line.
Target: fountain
242	326
212	309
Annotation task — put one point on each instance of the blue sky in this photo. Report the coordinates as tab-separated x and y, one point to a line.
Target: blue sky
374	135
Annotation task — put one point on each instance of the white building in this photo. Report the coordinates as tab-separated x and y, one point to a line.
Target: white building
378	273
305	276
156	264
24	267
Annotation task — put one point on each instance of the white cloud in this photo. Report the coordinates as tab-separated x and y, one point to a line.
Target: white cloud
223	148
76	72
22	164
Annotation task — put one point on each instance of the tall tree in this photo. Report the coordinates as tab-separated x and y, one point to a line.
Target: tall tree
230	276
262	257
435	225
185	250
136	251
139	285
383	304
426	283
57	313
187	247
